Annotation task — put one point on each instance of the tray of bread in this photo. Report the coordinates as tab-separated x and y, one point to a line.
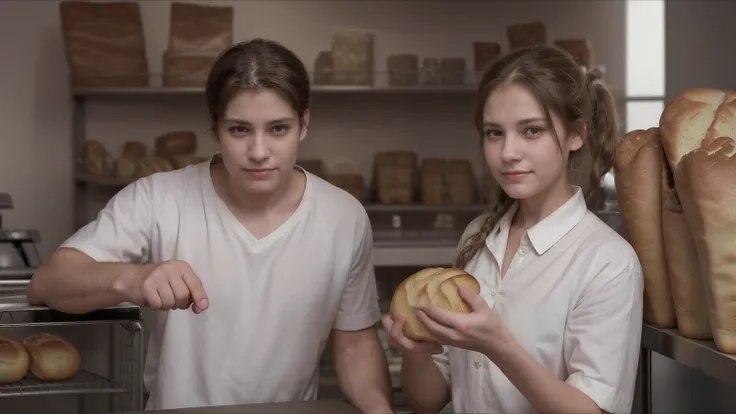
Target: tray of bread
48	364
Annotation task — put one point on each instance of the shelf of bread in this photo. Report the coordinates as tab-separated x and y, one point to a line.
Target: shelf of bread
676	204
103	65
44	363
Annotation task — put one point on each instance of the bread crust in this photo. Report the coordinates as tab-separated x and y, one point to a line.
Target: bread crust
437	286
688	293
14	360
52	358
637	172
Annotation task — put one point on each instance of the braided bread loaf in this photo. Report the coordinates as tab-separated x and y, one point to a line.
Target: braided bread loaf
437	286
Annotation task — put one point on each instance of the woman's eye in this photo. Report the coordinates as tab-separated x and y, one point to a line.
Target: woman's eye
281	129
534	131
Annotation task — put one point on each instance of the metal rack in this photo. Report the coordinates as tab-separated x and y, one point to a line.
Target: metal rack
702	356
124	383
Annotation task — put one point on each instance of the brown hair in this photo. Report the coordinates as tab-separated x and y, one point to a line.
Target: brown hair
564	88
256	64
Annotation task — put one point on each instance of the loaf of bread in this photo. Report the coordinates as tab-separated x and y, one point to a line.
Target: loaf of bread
14	361
94	156
437	286
638	169
134	149
176	143
688	295
52	358
699	126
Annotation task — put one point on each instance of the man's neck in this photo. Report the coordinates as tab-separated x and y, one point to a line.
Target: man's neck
285	198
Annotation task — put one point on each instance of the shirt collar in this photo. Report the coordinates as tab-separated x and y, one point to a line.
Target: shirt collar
552	228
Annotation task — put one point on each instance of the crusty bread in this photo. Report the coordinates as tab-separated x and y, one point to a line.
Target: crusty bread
52	358
686	120
437	286
705	178
688	293
14	361
637	172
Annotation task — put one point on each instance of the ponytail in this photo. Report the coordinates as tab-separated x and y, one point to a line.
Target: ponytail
603	130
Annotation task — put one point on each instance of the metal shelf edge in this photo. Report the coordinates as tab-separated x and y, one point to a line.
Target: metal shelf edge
699	355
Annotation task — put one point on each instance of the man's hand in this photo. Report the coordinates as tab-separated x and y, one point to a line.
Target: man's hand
164	286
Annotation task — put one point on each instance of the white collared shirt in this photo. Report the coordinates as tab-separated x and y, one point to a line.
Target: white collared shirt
572	298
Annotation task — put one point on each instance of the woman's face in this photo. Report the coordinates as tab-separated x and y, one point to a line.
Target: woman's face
520	147
259	136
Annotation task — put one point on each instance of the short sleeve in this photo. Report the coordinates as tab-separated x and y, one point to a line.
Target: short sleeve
443	363
359	302
602	339
122	230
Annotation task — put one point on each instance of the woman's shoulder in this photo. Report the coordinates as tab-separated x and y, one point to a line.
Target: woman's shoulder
606	251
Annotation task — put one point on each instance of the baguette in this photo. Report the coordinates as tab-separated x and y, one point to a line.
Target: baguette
699	127
637	172
437	286
688	293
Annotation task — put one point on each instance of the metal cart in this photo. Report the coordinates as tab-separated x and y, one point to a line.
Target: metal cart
123	381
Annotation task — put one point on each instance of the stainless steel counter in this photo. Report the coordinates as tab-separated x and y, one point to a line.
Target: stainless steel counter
698	355
311	407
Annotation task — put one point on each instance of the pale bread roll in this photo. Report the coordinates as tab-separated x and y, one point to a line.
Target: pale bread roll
637	172
700	125
14	361
437	286
52	358
688	293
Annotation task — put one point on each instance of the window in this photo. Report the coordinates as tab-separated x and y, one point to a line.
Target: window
645	61
643	114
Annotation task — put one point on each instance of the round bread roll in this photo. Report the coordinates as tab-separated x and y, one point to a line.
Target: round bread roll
437	286
52	358
14	361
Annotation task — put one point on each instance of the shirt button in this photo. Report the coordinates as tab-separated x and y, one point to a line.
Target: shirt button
494	292
477	364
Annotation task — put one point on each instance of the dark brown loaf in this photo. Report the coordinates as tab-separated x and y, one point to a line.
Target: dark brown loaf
52	358
187	70
699	126
395	173
447	181
688	294
176	143
580	49
14	360
134	149
104	43
526	34
484	54
94	156
638	169
199	29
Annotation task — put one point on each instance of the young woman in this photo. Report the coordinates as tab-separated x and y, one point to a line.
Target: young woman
269	258
557	324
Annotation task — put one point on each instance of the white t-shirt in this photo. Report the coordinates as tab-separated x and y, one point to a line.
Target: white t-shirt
273	301
572	297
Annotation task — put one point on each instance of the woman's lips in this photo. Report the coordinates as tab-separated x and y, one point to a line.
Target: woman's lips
515	175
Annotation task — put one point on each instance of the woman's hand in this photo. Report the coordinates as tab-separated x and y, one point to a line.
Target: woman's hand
406	346
481	330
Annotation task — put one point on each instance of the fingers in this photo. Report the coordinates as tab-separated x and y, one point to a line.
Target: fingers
150	295
444	317
473	299
436	327
196	290
182	298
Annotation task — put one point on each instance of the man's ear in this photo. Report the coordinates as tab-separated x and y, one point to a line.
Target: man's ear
304	125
